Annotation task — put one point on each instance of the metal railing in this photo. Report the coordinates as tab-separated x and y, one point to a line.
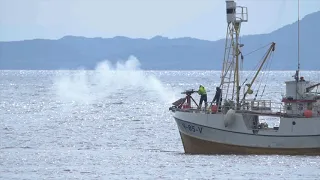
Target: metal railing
259	107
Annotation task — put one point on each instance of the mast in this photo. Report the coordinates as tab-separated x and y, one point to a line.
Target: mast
297	75
230	78
298	37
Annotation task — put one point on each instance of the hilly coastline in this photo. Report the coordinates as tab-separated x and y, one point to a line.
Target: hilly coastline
161	53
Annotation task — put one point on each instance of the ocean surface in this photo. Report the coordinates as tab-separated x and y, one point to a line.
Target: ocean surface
114	123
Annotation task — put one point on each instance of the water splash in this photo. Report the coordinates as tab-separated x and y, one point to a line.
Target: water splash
107	79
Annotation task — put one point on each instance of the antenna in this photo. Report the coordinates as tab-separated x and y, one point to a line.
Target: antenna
298	37
298	71
296	76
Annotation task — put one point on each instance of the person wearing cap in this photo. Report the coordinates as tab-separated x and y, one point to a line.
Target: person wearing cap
302	78
202	92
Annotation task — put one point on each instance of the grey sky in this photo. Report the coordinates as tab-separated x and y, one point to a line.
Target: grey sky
204	19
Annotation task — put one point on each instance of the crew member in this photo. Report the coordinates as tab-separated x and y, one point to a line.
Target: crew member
202	92
218	97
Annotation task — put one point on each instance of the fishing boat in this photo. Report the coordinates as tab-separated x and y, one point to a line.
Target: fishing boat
233	124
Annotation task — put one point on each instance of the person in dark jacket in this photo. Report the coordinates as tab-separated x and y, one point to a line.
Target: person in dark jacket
218	97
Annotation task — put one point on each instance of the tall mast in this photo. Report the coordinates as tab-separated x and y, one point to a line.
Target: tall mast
230	79
297	75
298	37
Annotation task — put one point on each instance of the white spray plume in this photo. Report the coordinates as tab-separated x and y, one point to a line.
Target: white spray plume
88	87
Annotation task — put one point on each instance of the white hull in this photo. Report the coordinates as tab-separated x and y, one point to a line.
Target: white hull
301	137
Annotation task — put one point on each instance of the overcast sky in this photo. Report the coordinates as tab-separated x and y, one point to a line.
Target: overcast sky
204	19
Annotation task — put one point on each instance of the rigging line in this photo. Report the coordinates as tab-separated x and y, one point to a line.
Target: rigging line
269	64
279	12
261	60
261	78
257	49
258	64
242	58
255	68
269	59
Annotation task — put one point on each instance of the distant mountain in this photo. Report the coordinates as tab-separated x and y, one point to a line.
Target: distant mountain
71	52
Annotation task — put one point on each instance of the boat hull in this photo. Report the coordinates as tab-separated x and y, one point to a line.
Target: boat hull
194	145
206	134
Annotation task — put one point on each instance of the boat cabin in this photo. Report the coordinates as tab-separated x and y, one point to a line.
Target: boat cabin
300	100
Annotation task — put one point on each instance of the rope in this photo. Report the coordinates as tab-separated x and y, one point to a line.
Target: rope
257	49
257	65
267	66
267	78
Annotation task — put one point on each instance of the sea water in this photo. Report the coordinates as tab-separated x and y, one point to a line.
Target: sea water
114	123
